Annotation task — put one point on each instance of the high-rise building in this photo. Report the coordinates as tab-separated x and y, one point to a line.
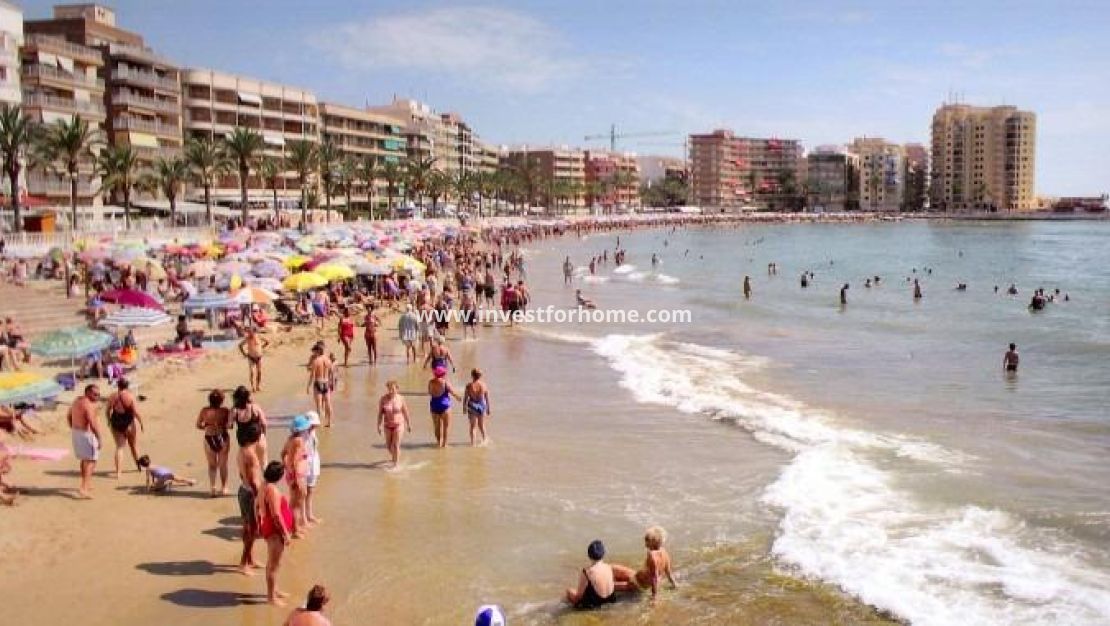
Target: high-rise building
11	38
141	91
216	103
730	172
612	179
881	173
654	168
559	168
983	158
832	179
489	158
916	196
367	138
442	136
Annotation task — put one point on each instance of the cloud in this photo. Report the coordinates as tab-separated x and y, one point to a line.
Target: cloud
972	58
491	46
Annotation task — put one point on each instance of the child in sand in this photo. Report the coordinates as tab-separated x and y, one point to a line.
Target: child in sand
162	478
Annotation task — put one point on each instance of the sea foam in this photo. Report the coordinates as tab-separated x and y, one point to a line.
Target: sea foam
847	521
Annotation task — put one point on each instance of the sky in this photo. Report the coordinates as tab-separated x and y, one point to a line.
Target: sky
541	73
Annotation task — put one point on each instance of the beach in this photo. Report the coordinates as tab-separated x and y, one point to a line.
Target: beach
783	480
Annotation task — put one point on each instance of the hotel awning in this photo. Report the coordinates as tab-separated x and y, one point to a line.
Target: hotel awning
250	98
273	140
142	139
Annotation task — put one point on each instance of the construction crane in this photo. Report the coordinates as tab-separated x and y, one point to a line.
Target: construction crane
613	135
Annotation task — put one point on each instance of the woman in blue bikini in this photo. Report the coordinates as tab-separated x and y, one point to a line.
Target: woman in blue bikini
440	391
476	401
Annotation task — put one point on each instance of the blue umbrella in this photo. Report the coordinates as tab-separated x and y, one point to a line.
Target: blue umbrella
70	343
207	300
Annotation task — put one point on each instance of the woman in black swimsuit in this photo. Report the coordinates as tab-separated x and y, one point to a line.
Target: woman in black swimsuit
122	416
250	422
213	420
599	583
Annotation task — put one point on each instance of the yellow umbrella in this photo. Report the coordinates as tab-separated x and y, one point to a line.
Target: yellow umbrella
334	271
154	270
303	281
235	282
295	261
11	380
407	263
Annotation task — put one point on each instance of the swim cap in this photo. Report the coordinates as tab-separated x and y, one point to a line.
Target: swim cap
300	424
490	615
440	371
313	418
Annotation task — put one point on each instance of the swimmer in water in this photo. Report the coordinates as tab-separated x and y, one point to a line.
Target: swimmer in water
1010	359
583	301
844	294
747	287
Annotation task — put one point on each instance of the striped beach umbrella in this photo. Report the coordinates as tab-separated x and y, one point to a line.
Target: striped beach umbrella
207	300
135	317
254	295
16	387
70	343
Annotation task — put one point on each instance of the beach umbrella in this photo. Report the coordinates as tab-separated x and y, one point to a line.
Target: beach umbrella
333	271
254	295
16	387
303	281
153	269
55	254
70	343
131	297
207	300
187	286
406	263
270	269
269	284
233	267
135	317
202	269
294	261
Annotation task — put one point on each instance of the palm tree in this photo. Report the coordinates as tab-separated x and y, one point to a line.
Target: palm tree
118	167
327	160
244	146
530	175
69	143
348	174
368	174
439	185
394	175
270	171
168	177
208	162
17	136
464	184
300	156
418	172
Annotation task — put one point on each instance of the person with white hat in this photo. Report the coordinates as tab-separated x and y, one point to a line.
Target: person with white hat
312	448
295	458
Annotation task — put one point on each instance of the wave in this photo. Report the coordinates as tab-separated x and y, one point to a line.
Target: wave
846	520
624	269
595	279
664	279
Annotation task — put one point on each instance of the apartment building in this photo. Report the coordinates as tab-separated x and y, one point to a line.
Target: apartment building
881	173
489	158
217	102
61	81
445	137
983	158
612	179
11	38
563	166
365	137
730	172
141	90
654	168
916	196
832	180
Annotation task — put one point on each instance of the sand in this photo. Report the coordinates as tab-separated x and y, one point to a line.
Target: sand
151	558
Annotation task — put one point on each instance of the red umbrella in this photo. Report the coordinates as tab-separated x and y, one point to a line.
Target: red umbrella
131	297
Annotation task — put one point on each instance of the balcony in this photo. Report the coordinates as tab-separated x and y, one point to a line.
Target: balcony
57	45
38	185
138	53
47	73
66	105
146	126
147	79
144	102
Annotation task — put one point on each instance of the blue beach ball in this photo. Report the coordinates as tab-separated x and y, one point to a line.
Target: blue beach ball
489	615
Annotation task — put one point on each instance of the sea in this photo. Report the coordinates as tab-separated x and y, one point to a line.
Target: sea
812	462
